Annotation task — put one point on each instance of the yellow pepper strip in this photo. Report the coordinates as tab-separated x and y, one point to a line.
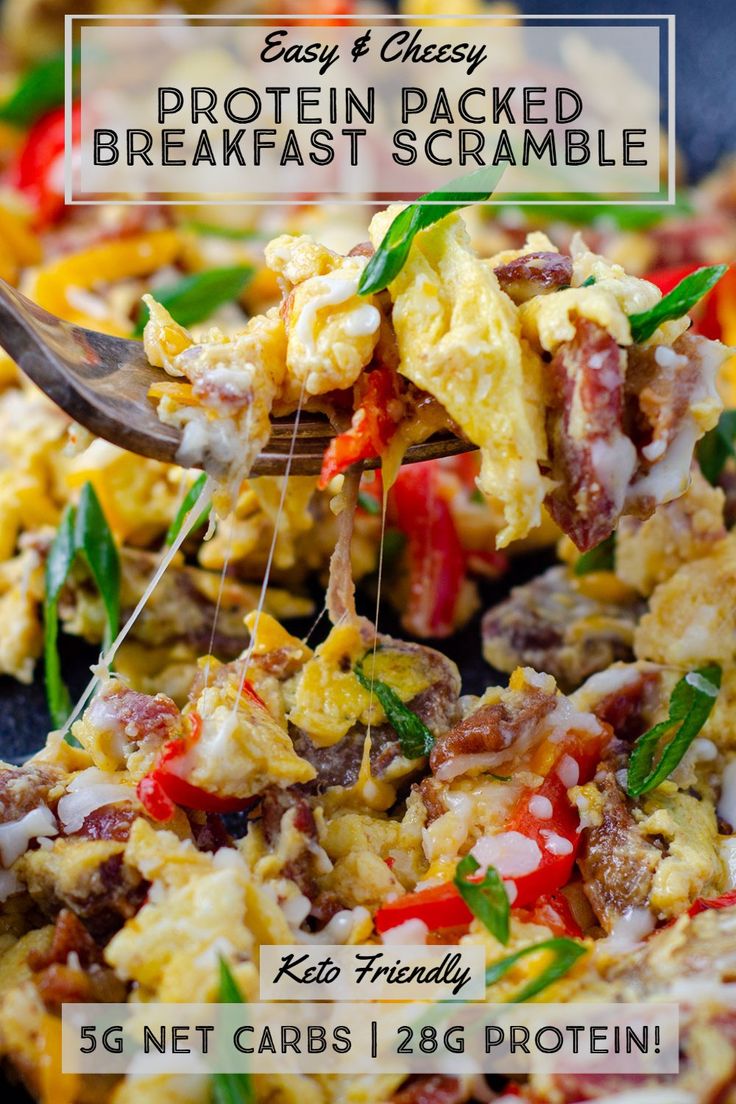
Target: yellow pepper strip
56	1087
725	293
115	260
545	757
177	392
18	245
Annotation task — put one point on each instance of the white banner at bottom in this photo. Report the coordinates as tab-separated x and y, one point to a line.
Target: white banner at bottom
362	1038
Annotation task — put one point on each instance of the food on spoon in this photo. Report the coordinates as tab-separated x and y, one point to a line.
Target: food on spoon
530	354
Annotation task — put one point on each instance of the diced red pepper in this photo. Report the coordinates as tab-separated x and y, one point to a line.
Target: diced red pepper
249	692
38	168
554	912
154	799
438	907
374	423
443	907
436	556
703	904
554	871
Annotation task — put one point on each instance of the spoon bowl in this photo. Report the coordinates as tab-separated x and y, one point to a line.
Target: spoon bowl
102	382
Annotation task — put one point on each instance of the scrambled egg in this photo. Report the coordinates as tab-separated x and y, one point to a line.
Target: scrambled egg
459	338
242	749
692	618
196	909
328	699
649	552
225	417
331	330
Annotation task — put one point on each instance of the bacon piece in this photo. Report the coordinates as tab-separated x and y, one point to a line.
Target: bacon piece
276	803
433	1088
106	895
591	459
72	969
489	730
617	862
534	274
431	791
628	710
135	715
209	831
362	249
23	789
70	937
300	868
659	385
551	625
59	984
109	822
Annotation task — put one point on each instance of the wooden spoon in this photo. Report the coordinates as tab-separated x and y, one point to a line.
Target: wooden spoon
102	382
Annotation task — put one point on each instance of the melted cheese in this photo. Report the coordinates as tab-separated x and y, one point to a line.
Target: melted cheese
511	853
91	789
17	834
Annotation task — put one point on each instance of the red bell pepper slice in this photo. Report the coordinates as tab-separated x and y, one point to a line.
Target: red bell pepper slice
37	170
163	788
438	907
436	556
554	912
554	871
374	423
703	904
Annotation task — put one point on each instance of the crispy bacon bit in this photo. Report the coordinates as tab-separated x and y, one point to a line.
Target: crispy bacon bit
534	274
434	1088
362	249
616	861
209	831
110	822
222	392
551	625
591	460
25	788
492	728
72	969
136	715
111	894
627	709
659	386
70	937
59	984
430	791
275	805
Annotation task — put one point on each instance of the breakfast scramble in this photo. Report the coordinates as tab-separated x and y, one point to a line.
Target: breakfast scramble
234	783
